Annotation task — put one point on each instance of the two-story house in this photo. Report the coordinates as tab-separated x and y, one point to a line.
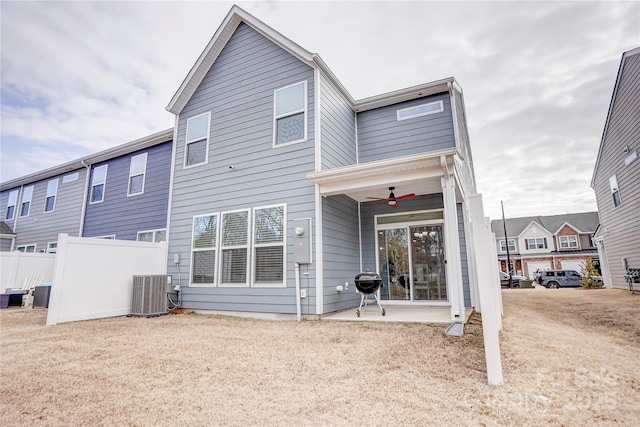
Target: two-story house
271	149
118	193
276	187
546	242
616	176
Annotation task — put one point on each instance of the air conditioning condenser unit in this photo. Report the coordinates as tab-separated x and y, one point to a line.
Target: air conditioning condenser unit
149	295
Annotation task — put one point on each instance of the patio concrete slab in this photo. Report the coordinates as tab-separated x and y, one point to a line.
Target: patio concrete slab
397	313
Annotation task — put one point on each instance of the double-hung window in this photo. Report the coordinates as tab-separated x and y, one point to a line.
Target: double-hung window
234	248
98	183
536	243
11	204
137	173
268	245
203	248
615	192
52	192
290	114
197	140
568	242
512	245
27	194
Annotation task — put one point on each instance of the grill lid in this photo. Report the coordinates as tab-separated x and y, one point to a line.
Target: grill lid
368	277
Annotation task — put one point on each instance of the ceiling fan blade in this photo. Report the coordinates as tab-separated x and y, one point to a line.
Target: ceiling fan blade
406	196
379	198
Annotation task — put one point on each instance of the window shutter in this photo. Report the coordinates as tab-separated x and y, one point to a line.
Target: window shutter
526	243
545	243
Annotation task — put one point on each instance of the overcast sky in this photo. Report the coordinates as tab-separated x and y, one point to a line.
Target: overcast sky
80	77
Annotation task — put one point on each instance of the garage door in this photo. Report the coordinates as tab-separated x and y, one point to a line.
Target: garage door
573	265
538	265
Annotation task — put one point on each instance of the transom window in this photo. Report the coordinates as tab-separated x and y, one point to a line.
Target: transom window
27	193
615	192
98	183
52	192
290	114
537	243
152	236
197	140
11	204
420	110
137	172
70	177
512	246
567	242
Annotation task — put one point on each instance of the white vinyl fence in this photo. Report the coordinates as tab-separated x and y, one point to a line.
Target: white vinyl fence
16	266
93	278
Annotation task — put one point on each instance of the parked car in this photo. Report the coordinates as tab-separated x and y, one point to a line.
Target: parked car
560	279
504	279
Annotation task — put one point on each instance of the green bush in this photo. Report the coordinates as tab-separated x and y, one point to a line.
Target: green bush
590	278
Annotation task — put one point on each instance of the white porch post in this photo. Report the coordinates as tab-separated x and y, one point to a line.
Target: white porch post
452	249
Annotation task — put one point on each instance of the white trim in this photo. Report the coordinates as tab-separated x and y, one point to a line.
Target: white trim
22	201
424	113
317	125
15	205
54	195
318	252
143	173
254	245
192	249
70	177
193	141
103	183
85	197
304	110
173	164
222	247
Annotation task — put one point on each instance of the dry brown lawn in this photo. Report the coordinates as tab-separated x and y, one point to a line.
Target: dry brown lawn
570	357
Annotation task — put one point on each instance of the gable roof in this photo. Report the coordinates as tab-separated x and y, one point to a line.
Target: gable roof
5	230
625	55
229	25
585	222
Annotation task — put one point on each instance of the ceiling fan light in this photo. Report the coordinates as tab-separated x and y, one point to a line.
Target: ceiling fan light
392	203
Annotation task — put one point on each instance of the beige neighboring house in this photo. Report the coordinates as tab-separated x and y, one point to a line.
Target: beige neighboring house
546	242
616	177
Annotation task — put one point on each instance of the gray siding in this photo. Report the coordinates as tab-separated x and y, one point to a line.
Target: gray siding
341	251
463	257
238	90
5	245
40	227
622	239
337	123
382	136
122	215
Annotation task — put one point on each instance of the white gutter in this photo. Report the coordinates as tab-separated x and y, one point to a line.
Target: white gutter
84	200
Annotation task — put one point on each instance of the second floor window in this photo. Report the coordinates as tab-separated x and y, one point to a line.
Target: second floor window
537	243
98	182
512	245
52	192
568	242
11	204
197	140
290	114
137	173
27	193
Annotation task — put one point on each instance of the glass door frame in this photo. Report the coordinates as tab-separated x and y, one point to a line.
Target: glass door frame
408	224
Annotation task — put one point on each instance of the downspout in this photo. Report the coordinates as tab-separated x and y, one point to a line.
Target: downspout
296	268
16	216
84	200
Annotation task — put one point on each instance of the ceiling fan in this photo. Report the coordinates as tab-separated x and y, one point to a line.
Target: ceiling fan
392	199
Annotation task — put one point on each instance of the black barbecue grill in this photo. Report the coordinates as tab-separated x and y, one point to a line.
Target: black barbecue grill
368	283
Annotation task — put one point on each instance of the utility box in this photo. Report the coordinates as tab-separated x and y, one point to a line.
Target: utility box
302	241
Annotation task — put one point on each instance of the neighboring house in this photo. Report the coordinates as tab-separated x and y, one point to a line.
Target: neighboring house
270	145
65	198
547	242
616	176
